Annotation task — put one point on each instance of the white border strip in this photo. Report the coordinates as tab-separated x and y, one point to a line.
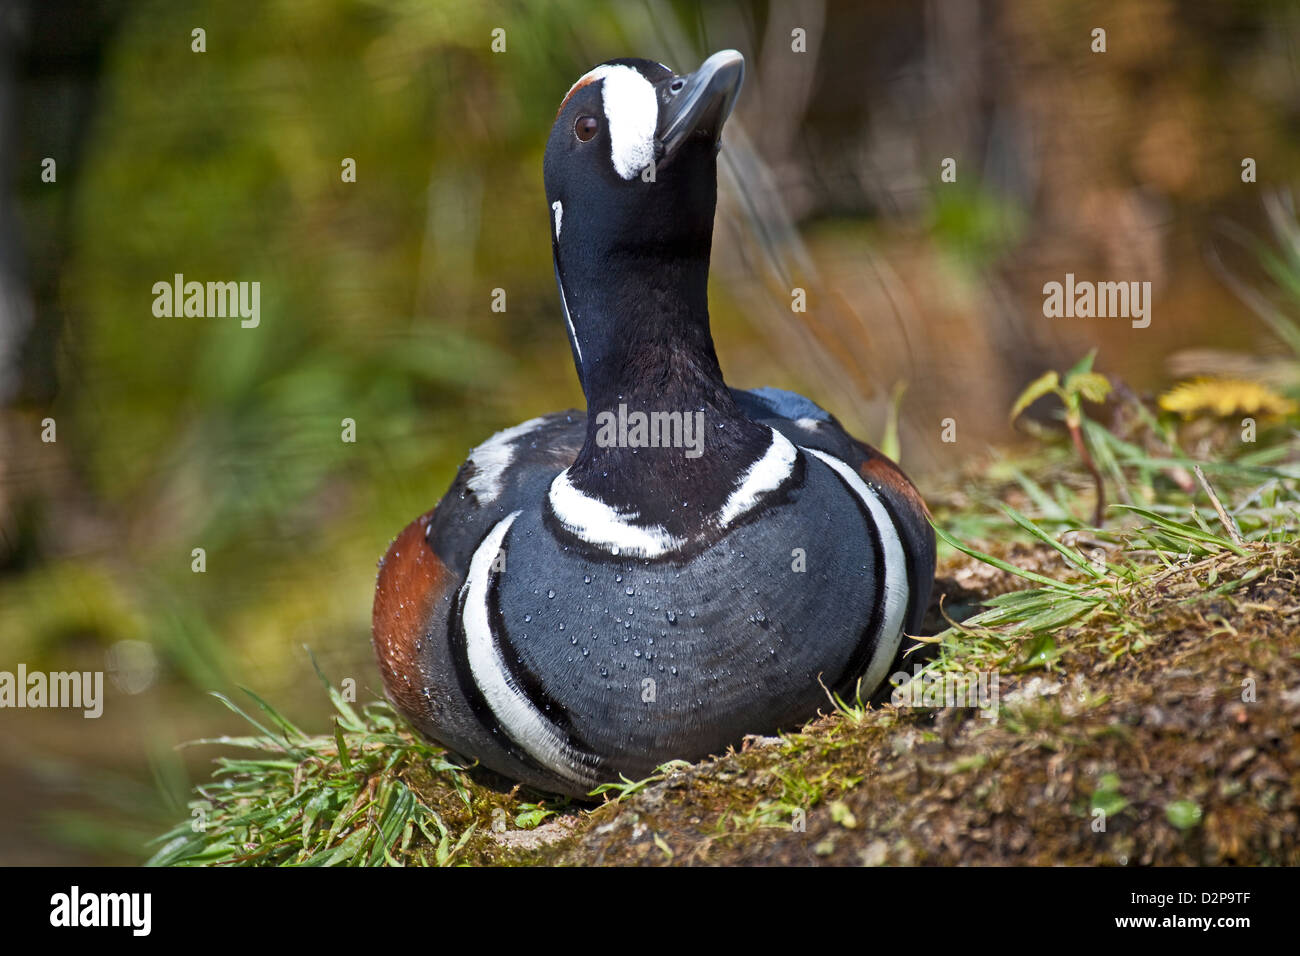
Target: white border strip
890	633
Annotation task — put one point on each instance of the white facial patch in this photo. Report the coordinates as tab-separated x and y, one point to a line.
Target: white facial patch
632	114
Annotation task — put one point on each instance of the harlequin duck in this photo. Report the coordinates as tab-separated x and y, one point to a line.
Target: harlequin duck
683	564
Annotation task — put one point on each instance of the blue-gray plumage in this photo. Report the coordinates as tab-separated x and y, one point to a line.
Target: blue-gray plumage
573	609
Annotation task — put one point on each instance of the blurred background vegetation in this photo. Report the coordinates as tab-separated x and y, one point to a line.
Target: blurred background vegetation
181	433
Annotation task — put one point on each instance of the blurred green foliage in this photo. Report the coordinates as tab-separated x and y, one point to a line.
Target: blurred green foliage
225	165
186	433
183	433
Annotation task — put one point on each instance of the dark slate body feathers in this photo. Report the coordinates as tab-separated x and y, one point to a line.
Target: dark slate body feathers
733	639
582	604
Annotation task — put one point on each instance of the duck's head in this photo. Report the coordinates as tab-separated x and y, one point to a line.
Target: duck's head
632	154
631	179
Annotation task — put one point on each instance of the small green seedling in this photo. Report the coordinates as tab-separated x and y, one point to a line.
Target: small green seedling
1081	384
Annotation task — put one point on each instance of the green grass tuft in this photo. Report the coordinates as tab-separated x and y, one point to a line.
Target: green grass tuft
339	799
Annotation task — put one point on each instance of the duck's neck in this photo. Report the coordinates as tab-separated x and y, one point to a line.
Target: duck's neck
664	435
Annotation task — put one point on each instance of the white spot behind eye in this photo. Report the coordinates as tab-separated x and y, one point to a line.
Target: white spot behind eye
632	113
559	215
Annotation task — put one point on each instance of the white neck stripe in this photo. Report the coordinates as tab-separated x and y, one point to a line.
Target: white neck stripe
596	522
568	319
763	476
601	524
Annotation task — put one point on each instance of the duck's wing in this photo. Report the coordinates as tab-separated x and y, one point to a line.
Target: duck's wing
500	476
810	426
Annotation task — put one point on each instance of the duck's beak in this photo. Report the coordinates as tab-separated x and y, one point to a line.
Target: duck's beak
698	104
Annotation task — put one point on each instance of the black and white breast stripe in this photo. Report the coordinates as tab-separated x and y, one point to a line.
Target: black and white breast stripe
619	531
893	589
513	703
493	458
519	714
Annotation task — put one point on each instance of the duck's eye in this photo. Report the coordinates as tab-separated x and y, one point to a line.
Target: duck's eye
585	128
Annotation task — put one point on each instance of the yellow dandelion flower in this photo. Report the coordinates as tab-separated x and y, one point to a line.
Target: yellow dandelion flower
1225	397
